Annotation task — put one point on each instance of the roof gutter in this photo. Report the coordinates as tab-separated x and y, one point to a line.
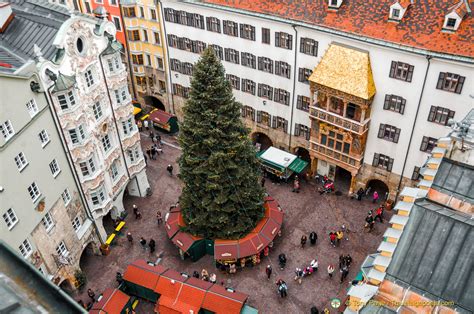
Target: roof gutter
332	31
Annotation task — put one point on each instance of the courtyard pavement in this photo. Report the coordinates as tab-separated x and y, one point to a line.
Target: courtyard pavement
304	212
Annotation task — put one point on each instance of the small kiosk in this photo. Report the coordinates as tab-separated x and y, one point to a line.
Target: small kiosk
164	120
280	163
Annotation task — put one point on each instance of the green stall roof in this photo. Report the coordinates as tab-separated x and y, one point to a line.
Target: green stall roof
298	165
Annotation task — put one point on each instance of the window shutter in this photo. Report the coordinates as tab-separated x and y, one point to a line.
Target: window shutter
238	86
259	116
285	126
224	26
290	41
299	102
386	104
208	23
439	85
252	33
390	164
277	39
297	129
270	93
397	135
253	114
288	72
381	130
410	73
242	111
460	84
416	173
275	95
244	60
375	162
287	102
450	115
300	74
424	144
308	134
260	64
226	52
432	114
259	90
393	68
242	30
402	105
274	122
277	67
302	44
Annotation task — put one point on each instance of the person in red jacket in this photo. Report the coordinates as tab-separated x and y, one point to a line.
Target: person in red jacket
332	238
379	214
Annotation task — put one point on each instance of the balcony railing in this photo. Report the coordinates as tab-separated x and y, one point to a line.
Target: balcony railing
337	120
351	161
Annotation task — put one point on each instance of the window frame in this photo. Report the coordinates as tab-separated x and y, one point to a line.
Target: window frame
89	78
401	71
43	134
266	36
62	250
21	161
309	46
247	31
284	40
392	131
428	144
394	103
25	248
48	222
54	168
32	107
302	104
440	115
248	86
447	77
34	191
76	223
66	196
10	218
383	162
7	130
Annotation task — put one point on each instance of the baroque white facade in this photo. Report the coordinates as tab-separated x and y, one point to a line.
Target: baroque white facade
282	62
87	86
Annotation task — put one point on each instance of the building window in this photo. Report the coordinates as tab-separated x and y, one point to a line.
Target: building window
157	37
264	118
77	135
283	40
335	141
89	78
145	35
113	64
280	123
44	138
389	133
66	196
10	218
106	145
175	65
54	167
137	59
25	247
395	13
282	69
450	82
97	109
248	60
21	161
117	23
394	103
67	100
302	130
153	14
134	35
231	55
282	96
128	126
180	90
303	103
401	71
427	144
142	12
451	23
87	167
247	31
148	60
213	24
218	51
171	16
134	154
197	20
382	161
7	130
61	249
231	28
265	91
114	171
234	81
303	75
198	46
32	107
309	46
34	191
416	173
173	41
265	36
248	86
121	95
440	115
248	112
265	64
48	222
98	196
159	63
76	223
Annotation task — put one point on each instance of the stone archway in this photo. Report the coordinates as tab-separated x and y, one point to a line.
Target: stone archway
261	140
87	253
303	153
154	102
379	186
67	286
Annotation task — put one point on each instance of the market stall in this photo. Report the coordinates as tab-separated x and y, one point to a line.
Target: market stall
140	279
280	163
112	301
164	120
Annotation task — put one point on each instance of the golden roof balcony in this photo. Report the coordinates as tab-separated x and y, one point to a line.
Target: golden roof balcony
351	163
339	121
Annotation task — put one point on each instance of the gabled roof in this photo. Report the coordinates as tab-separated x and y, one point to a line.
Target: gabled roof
454	178
420	28
461	8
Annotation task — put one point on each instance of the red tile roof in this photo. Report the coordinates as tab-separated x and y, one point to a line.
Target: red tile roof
113	301
420	27
221	301
142	274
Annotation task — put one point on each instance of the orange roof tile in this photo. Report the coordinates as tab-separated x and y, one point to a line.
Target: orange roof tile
420	28
142	274
221	301
113	301
169	284
404	3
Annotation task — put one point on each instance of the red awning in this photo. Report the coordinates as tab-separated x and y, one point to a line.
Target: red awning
221	301
273	210
160	116
246	246
225	249
112	301
143	274
184	240
270	230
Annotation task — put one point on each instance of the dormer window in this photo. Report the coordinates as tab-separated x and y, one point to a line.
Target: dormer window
398	9
334	4
396	14
453	19
451	23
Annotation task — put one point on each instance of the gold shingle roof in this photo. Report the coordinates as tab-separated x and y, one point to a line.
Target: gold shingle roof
346	69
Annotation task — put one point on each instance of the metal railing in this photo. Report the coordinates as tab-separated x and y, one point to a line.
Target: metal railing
337	120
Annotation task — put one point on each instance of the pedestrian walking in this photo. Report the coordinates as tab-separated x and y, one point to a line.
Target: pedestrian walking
204	275
375	197
153	153
159	218
282	288
314	265
148	152
369	221
262	182
348	260
342	261
296	185
91	294
143	243
330	270
152	245
213	278
152	136
303	241
196	274
170	170
138	214
129	237
158	139
313	237
332	238
339	237
344	273
145	124
298	275
135	209
268	271
360	193
140	125
379	214
146	160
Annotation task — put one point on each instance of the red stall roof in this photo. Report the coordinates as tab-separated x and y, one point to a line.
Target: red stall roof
170	284
184	240
160	116
270	230
143	274
226	249
113	301
172	225
221	301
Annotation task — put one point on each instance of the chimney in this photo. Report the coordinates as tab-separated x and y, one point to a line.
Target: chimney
6	16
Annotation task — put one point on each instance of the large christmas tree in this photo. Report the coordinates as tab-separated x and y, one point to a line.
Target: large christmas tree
221	197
